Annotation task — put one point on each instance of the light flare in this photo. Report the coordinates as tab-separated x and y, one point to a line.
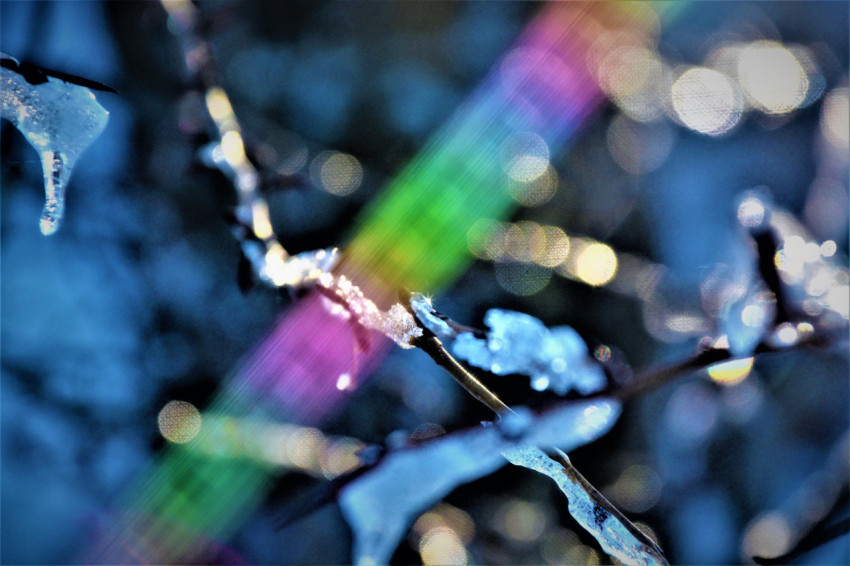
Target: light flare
768	535
233	149
835	118
772	78
337	173
595	263
706	101
179	422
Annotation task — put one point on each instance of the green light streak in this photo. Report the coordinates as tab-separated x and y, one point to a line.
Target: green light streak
415	237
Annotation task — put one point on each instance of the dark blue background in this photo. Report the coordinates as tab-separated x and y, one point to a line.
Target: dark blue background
135	302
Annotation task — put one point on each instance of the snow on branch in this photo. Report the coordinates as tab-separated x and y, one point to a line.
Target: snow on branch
348	301
556	359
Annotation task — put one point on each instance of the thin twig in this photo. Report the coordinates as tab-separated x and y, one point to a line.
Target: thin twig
432	346
252	211
656	377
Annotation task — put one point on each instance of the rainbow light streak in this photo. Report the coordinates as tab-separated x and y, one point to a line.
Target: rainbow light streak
414	236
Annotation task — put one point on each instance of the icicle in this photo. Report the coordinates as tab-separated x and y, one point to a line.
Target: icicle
56	176
59	119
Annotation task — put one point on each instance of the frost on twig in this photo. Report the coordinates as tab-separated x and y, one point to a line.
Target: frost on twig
381	503
616	535
58	117
556	359
349	302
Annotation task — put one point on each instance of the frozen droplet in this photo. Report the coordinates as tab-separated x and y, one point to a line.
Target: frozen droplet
59	119
540	383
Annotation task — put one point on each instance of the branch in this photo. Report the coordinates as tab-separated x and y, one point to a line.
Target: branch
653	379
251	226
651	548
432	346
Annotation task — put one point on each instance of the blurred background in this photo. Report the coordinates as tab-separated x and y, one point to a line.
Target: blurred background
634	236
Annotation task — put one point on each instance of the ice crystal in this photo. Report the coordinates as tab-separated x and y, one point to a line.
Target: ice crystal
556	359
424	311
615	538
396	323
382	503
59	119
399	325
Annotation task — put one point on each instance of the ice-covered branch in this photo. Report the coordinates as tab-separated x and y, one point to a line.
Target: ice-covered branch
617	536
519	343
59	116
348	301
381	503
